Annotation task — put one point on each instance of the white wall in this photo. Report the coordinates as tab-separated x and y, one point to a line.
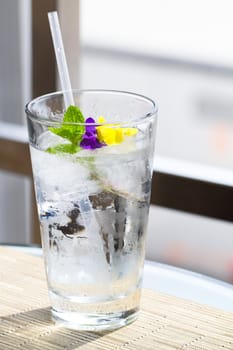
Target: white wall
196	30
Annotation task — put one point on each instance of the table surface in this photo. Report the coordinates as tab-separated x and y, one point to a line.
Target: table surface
178	282
165	322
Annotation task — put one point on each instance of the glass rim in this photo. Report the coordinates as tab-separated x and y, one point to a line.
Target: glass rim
45	120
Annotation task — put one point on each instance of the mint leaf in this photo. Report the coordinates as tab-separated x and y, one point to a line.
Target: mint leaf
64	148
73	115
73	133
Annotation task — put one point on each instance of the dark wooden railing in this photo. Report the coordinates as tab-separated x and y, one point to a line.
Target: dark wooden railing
194	196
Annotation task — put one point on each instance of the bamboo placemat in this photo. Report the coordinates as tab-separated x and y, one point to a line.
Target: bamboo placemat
165	322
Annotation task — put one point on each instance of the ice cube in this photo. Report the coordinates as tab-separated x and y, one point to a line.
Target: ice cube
49	139
60	176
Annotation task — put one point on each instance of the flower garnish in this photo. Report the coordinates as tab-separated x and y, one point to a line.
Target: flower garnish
89	140
111	134
81	133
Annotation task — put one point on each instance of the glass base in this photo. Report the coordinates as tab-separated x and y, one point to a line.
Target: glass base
94	322
95	314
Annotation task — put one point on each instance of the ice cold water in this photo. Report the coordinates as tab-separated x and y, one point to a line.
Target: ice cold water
93	210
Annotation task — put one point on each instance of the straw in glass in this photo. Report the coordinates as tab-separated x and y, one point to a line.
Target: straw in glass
83	201
61	58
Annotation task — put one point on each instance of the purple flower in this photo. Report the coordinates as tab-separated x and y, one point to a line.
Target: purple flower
90	140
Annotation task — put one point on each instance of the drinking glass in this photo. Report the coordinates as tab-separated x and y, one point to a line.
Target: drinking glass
92	182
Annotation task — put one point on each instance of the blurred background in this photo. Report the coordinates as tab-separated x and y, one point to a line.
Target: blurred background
175	51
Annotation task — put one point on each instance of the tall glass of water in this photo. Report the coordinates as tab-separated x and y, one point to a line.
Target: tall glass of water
92	167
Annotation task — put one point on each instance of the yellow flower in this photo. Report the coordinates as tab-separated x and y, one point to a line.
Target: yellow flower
101	120
112	135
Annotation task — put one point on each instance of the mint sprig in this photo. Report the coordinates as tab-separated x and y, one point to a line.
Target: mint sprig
73	133
64	148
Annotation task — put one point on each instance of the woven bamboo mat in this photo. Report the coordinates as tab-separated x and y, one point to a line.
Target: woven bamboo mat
165	322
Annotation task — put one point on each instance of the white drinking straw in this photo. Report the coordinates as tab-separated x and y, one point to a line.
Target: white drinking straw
61	58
